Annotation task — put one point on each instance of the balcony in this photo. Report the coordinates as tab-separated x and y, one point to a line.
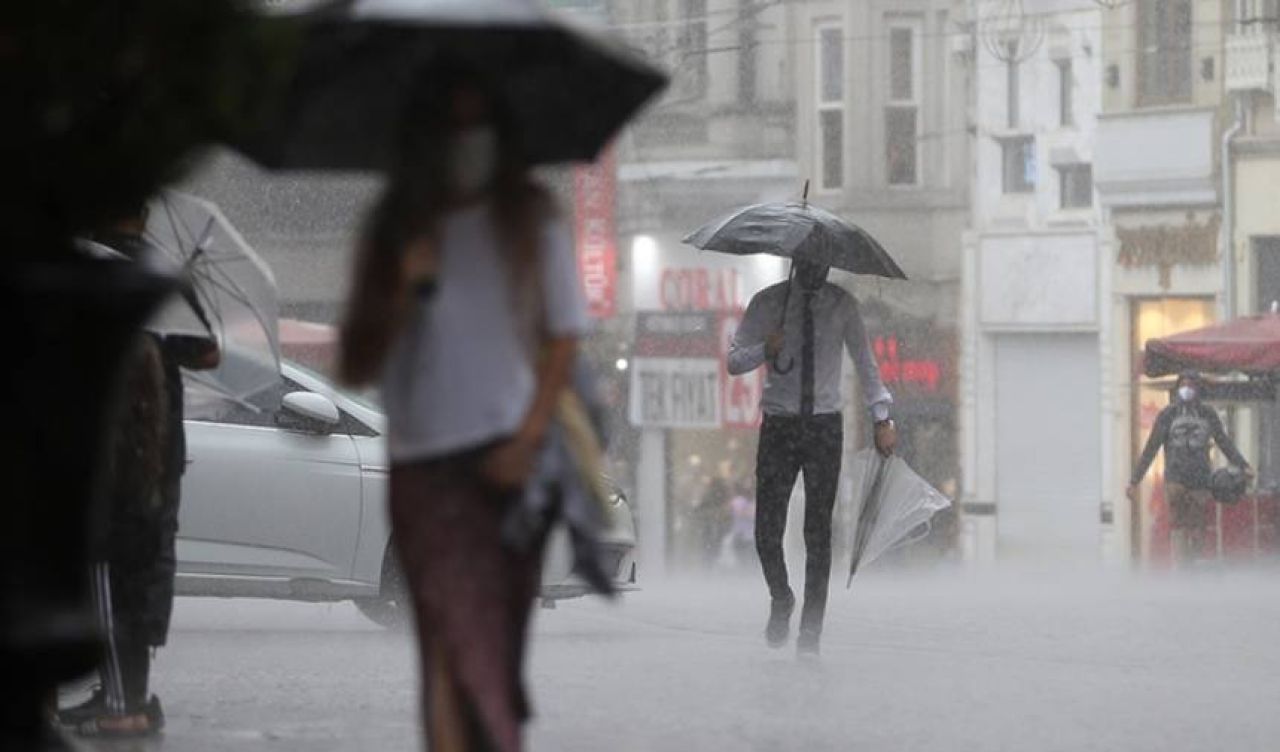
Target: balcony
1248	64
1158	157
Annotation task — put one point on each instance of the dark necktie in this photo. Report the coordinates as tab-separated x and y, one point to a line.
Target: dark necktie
806	358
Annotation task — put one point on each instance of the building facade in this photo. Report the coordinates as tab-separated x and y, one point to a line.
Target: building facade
881	96
1165	126
1034	287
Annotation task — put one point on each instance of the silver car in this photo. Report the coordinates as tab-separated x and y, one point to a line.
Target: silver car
285	497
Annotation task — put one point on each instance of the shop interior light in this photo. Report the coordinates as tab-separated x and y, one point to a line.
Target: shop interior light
644	256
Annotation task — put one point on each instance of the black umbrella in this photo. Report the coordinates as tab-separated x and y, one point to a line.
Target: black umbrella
797	230
568	91
800	231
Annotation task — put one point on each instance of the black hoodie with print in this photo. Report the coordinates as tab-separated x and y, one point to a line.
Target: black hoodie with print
1184	430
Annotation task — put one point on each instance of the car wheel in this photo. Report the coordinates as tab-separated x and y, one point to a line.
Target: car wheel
390	608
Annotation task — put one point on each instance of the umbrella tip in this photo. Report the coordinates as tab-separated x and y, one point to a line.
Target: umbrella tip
805	197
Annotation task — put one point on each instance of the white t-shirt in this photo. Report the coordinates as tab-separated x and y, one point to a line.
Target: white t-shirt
460	376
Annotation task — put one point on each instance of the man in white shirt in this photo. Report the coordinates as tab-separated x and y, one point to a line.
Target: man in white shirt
798	329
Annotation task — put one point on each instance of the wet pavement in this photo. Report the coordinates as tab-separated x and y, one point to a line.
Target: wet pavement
1037	661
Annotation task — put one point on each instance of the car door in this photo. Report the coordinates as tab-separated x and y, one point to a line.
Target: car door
261	501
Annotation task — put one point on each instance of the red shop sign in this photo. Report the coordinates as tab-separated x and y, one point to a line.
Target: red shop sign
594	191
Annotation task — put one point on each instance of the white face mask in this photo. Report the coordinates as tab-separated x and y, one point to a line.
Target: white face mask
475	159
1186	393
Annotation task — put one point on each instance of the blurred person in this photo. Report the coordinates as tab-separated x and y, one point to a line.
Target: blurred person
809	320
133	583
712	518
742	528
1184	429
466	311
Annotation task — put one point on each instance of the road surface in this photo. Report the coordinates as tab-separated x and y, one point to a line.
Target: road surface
1045	660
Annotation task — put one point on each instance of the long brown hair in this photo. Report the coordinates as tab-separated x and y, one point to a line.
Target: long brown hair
418	193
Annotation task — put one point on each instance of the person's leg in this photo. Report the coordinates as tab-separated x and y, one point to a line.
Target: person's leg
1180	544
822	447
777	464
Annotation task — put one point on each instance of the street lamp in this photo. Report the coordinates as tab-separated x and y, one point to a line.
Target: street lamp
1008	32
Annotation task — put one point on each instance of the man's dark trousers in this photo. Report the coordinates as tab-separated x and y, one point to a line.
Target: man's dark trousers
788	445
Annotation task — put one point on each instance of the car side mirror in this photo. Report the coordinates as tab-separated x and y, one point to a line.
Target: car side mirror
308	411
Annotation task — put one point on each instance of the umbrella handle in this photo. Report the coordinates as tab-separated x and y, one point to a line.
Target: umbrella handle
781	369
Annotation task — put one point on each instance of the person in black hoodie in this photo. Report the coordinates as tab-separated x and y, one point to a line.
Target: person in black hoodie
133	582
1184	430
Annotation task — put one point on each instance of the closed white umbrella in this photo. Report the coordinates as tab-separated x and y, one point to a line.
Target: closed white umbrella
897	507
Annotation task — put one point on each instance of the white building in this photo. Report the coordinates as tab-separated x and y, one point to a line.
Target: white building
1034	342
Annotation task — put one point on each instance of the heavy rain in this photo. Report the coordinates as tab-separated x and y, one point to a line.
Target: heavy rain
641	375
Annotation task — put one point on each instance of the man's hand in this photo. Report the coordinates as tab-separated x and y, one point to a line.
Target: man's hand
774	343
510	464
886	437
1131	492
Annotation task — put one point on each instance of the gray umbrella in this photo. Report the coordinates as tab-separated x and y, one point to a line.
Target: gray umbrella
800	231
797	230
568	91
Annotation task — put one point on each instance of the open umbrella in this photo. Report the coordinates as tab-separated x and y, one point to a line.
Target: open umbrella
233	287
568	90
797	230
1249	344
896	510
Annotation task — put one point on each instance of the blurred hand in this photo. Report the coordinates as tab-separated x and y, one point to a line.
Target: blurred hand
419	264
1131	492
1249	475
886	437
773	344
510	464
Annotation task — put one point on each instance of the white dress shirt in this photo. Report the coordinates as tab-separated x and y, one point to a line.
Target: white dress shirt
837	324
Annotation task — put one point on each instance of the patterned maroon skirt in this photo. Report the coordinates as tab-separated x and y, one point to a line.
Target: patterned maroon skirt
472	596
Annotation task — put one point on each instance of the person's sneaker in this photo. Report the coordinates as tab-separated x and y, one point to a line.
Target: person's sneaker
808	645
779	626
95	706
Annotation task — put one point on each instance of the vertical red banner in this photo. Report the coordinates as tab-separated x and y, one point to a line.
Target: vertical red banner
594	192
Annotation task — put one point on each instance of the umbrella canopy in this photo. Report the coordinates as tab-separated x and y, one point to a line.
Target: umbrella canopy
568	91
897	507
797	230
232	285
1249	344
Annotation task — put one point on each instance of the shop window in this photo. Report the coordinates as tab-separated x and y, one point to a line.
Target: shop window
1075	186
1164	51
1018	158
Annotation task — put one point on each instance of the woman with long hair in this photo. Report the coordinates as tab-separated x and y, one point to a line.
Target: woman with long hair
466	313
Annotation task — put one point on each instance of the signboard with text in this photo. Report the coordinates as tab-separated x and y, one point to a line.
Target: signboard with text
594	191
675	392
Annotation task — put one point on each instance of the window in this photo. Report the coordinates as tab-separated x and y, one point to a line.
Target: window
1019	162
1075	183
1164	51
1066	81
902	112
1012	84
830	63
1256	16
747	52
691	50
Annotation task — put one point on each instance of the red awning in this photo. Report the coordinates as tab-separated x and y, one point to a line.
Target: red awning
1250	344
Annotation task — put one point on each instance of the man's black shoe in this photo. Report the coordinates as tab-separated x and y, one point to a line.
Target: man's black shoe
779	627
807	645
155	714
